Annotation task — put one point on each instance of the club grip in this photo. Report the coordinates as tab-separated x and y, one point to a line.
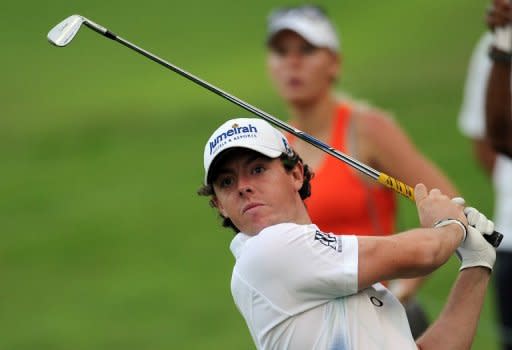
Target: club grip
397	186
494	239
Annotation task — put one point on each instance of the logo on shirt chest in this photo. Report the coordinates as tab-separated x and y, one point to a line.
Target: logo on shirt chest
377	295
376	301
328	240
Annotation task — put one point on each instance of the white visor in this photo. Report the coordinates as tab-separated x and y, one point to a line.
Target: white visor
310	22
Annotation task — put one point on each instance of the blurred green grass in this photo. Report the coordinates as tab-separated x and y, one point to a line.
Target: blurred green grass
104	243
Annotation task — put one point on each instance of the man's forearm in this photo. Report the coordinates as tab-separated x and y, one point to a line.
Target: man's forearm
498	109
456	326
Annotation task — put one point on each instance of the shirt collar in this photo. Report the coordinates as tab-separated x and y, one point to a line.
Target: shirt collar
238	243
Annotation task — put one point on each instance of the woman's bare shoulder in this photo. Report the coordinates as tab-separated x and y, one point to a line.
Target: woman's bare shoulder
374	122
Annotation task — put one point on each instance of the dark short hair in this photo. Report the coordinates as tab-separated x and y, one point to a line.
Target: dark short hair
289	162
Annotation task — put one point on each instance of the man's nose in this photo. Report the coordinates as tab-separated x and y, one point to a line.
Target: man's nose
244	185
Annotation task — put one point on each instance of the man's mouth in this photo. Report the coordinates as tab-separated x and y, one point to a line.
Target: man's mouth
250	206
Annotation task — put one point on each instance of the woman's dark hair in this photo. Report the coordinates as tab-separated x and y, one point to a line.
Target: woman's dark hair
289	162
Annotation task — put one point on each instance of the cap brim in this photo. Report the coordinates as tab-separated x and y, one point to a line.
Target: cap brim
269	152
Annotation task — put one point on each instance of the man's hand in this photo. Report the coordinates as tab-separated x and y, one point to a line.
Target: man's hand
435	206
475	251
479	221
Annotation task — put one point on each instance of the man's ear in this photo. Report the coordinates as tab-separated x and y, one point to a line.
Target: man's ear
298	175
216	203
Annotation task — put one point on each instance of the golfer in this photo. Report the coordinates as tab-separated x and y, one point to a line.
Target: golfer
300	288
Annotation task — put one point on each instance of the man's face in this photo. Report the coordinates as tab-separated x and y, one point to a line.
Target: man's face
255	191
301	72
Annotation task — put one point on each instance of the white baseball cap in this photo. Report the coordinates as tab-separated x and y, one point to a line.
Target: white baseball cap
308	21
250	133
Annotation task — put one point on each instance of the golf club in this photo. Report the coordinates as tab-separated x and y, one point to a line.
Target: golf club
64	32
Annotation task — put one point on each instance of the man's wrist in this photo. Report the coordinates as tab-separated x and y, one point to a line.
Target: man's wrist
450	221
483	268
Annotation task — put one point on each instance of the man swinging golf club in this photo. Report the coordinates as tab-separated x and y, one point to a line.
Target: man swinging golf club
300	288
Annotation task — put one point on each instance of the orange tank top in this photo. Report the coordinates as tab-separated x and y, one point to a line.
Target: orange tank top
340	201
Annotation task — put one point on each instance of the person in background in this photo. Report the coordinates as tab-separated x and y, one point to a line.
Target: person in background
304	63
472	123
498	108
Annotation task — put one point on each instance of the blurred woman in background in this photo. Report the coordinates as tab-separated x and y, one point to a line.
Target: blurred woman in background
304	63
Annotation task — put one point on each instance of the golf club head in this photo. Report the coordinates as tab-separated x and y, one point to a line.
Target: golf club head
65	31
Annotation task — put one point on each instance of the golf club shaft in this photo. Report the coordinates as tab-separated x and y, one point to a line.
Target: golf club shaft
398	186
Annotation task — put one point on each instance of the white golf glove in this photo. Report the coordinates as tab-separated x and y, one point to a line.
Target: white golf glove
475	250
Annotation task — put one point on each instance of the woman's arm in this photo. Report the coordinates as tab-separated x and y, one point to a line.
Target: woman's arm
390	150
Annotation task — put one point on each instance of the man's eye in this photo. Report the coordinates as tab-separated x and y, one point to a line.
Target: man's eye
225	182
258	170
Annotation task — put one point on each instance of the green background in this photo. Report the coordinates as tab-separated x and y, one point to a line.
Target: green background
104	244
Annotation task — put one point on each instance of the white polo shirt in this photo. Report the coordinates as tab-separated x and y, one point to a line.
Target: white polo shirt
472	124
296	288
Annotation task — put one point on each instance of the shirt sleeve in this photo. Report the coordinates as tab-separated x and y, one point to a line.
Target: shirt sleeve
300	266
472	113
